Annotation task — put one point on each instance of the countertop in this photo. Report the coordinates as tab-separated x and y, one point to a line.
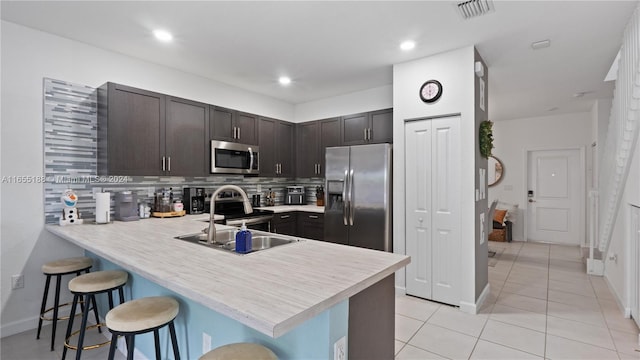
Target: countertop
288	208
271	291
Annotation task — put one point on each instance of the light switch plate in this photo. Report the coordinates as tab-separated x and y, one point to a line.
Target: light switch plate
206	342
340	349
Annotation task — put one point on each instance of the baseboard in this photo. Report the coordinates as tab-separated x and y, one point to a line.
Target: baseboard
401	290
16	327
626	311
471	308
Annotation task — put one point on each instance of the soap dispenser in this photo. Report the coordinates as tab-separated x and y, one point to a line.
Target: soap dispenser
243	240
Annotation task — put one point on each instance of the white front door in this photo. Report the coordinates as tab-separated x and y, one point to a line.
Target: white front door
432	204
555	196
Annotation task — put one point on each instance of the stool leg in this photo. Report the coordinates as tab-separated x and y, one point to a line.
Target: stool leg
81	302
131	346
110	300
156	340
83	328
95	312
174	341
44	304
70	324
112	347
121	293
55	311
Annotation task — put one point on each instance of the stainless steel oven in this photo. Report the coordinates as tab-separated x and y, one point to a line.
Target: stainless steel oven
234	158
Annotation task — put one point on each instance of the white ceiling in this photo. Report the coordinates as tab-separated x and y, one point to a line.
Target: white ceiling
333	48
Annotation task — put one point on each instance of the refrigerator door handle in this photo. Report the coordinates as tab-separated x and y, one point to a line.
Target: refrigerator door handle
351	198
345	203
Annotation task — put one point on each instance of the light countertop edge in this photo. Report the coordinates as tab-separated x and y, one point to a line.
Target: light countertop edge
251	317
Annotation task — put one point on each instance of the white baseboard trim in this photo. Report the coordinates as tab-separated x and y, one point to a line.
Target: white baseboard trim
401	290
16	327
626	311
471	308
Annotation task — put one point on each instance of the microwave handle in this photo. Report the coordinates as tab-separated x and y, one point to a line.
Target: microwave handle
250	159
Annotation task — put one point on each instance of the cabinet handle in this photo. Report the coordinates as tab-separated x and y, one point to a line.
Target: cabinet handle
319	169
163	162
238	133
169	163
313	216
315	169
365	134
285	216
369	134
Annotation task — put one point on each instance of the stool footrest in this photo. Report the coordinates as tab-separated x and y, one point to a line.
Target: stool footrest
86	347
59	306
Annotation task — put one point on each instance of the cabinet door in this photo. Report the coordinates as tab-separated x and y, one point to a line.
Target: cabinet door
132	131
284	223
267	144
382	126
307	150
284	148
186	137
329	136
311	225
354	129
222	124
246	125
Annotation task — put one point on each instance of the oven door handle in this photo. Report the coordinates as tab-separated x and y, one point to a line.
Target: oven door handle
250	221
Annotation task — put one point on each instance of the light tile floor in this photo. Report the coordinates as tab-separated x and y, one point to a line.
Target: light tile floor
542	305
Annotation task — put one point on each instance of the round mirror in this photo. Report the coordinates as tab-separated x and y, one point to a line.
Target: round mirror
494	171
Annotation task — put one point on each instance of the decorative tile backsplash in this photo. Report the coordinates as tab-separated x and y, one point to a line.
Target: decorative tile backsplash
70	159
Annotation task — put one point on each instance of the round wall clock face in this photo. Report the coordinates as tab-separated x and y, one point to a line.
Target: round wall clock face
431	91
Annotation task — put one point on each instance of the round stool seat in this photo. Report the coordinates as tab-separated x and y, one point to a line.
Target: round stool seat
98	281
69	265
142	314
240	351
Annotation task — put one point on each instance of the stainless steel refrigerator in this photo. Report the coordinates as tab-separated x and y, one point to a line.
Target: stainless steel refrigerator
358	196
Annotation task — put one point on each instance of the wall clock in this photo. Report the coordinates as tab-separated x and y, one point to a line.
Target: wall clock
431	91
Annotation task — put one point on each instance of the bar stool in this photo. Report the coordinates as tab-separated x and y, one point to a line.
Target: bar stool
58	268
240	351
87	286
141	316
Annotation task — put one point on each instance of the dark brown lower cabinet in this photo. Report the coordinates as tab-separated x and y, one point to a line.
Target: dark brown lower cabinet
311	225
284	223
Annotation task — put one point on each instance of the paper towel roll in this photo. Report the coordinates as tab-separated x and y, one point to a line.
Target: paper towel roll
103	205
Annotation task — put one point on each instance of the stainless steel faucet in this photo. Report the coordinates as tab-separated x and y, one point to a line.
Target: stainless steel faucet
211	232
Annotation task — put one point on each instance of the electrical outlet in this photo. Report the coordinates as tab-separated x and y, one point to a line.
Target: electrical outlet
259	187
17	282
340	349
206	342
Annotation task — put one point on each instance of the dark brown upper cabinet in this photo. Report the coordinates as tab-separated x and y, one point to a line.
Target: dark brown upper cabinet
368	128
234	126
276	142
313	138
145	133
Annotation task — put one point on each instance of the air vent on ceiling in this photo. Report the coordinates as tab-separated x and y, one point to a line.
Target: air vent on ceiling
473	8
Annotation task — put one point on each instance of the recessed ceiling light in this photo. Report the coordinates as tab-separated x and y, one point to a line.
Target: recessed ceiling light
407	45
284	80
163	35
541	44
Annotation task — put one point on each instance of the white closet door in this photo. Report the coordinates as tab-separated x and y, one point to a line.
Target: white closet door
445	187
418	207
432	204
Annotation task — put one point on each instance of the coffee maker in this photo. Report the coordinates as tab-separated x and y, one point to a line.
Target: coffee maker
193	199
126	206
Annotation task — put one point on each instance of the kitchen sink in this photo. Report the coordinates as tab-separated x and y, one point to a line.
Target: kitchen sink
225	240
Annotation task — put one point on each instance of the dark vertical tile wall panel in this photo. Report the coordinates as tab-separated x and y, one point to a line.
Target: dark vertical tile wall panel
70	159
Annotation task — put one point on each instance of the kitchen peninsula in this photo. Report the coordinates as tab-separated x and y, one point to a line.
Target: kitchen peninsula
297	299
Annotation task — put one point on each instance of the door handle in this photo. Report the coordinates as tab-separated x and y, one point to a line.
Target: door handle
531	201
351	198
163	163
345	201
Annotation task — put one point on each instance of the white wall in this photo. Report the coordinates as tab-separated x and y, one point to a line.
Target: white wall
511	140
361	101
454	70
26	57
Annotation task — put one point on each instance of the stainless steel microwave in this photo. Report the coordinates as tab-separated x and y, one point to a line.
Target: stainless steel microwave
234	158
